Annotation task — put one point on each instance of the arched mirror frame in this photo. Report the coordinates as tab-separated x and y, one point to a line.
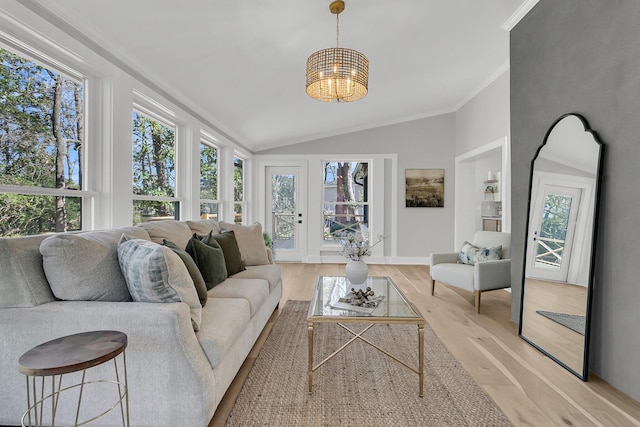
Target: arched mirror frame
583	375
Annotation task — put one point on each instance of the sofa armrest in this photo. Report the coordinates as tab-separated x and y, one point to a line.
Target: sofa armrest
444	257
162	354
270	256
495	274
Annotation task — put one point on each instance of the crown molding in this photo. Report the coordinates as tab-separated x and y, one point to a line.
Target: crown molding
518	14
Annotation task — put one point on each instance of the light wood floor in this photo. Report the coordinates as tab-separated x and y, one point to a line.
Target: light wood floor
530	389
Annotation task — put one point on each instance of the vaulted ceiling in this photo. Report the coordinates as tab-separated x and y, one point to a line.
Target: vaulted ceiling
240	65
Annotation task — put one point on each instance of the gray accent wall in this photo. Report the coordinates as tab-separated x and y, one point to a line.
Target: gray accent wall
419	144
583	56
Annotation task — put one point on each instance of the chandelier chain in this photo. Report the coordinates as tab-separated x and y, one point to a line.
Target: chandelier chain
337	28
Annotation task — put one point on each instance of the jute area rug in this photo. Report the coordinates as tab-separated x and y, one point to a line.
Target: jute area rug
360	386
572	321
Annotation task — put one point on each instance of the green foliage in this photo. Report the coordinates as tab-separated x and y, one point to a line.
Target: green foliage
208	172
31	97
555	218
238	177
267	240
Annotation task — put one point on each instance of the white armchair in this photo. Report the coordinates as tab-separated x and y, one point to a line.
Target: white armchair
478	278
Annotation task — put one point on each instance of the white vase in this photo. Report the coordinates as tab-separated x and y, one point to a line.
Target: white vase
356	272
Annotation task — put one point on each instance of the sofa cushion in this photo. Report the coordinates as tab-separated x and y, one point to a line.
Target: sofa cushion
84	266
174	231
192	268
203	227
256	291
22	281
154	273
270	272
209	259
250	242
470	253
224	320
232	257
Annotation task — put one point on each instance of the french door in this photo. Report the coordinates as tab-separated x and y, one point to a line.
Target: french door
284	219
553	222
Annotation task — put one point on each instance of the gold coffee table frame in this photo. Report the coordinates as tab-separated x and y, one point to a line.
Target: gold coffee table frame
394	309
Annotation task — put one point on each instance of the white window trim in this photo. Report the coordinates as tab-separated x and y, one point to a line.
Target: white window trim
152	109
211	141
90	85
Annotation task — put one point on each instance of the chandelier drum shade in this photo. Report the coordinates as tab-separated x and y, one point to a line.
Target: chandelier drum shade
337	74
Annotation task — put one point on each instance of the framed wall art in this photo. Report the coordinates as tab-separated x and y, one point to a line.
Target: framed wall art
424	188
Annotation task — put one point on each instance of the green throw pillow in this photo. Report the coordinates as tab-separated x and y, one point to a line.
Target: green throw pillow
229	245
210	260
194	272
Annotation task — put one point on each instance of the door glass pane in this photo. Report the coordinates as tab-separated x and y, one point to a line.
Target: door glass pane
345	197
553	231
283	208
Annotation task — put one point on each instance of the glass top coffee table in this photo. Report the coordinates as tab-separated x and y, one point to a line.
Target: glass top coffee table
393	308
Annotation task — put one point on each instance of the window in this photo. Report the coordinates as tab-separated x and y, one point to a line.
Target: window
42	146
153	170
208	180
238	189
345	202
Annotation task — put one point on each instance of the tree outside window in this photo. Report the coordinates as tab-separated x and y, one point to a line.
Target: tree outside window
208	181
153	170
345	197
238	189
42	141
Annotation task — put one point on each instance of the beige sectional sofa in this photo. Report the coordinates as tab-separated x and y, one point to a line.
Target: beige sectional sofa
177	376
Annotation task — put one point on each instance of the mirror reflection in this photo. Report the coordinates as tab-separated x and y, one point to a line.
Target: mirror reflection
560	241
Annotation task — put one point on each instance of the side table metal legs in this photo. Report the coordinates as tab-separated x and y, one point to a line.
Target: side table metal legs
66	355
36	413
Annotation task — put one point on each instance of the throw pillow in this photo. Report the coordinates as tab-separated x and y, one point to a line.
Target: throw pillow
192	268
84	266
155	274
202	227
250	242
471	254
229	245
209	258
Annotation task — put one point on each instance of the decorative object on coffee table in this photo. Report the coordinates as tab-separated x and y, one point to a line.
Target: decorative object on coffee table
355	246
65	355
356	271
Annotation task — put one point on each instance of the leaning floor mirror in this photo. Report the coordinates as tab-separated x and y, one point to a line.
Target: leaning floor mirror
560	243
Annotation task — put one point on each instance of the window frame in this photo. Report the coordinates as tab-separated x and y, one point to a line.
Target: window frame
334	243
212	143
154	110
85	192
242	203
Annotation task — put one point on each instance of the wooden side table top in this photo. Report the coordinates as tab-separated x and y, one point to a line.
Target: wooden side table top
72	353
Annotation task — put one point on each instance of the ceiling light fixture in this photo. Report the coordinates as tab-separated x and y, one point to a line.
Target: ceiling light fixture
337	74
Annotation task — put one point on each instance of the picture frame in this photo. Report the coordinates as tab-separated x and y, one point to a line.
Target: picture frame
424	188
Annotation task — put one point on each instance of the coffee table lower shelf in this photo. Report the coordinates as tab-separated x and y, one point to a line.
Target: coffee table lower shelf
358	336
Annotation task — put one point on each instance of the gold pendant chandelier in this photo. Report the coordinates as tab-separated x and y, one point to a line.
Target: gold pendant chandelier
337	74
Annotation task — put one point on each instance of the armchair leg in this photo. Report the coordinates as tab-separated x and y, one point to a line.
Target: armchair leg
478	302
433	287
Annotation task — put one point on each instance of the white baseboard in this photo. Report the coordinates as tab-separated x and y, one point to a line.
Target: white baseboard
336	259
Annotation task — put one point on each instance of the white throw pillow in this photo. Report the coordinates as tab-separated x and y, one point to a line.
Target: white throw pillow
250	242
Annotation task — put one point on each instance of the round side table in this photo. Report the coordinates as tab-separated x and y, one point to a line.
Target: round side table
72	353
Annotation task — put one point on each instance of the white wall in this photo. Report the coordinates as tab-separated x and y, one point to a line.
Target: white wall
419	144
485	118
